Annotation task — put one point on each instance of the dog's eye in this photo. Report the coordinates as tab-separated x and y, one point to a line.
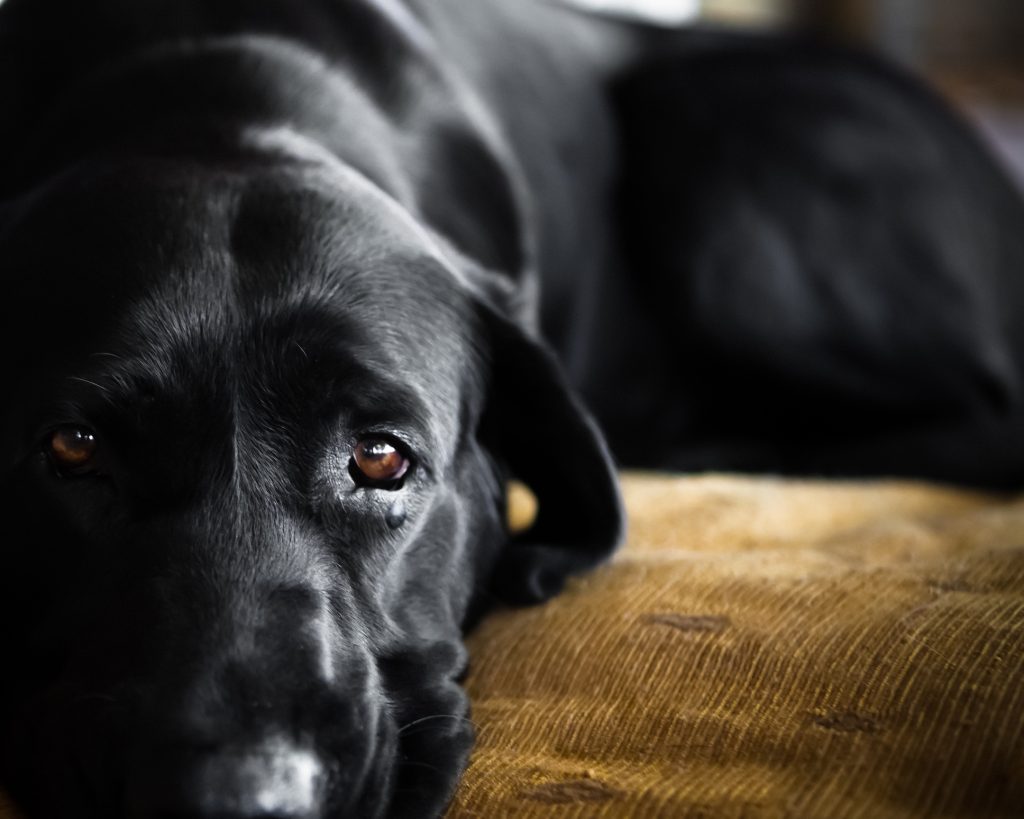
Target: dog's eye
72	450
378	462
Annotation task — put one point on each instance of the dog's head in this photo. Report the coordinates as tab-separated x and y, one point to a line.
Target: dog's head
256	437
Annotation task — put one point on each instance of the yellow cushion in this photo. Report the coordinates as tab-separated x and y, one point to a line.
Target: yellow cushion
766	648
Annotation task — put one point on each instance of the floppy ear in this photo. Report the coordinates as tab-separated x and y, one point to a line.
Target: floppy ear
545	438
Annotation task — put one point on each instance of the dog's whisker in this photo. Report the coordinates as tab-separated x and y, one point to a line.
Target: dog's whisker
415	722
80	380
409	763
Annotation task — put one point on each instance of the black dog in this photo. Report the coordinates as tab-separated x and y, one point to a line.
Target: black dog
273	279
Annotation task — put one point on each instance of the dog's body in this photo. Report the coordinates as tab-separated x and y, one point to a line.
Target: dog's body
240	241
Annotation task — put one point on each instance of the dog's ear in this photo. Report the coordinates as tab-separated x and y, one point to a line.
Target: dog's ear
539	430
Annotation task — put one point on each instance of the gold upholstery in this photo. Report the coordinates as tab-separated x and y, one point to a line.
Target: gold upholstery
766	648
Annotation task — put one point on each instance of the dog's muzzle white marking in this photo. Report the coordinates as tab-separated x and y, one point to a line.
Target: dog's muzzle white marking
275	778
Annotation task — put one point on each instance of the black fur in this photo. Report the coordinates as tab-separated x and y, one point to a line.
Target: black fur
237	236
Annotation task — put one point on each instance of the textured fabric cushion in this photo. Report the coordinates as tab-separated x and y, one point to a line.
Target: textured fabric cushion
766	648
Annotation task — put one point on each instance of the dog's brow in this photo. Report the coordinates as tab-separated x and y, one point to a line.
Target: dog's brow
369	397
389	406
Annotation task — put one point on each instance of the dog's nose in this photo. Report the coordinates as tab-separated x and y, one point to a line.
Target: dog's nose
273	780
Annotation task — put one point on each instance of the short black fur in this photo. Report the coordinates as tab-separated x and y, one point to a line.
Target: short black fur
237	238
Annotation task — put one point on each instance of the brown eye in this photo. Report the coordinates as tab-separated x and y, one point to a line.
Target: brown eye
379	462
73	449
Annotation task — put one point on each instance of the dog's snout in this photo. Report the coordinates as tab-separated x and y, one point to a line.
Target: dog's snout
275	779
272	698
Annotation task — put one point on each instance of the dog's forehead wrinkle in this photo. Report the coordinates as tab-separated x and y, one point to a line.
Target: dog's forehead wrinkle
316	166
395	220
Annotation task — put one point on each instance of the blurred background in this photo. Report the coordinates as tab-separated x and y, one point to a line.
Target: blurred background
973	50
